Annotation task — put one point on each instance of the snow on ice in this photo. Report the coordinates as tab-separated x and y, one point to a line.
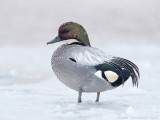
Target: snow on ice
30	91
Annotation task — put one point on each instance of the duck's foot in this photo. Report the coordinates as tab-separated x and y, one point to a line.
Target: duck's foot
79	97
97	99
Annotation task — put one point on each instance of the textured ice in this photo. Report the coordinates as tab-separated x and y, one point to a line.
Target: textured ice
30	91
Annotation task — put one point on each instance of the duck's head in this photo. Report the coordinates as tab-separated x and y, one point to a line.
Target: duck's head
72	32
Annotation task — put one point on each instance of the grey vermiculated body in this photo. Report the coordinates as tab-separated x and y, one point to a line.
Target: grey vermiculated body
79	75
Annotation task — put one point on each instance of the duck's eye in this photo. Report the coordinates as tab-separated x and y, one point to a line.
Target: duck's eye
65	31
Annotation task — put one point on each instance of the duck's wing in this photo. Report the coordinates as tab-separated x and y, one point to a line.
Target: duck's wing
110	67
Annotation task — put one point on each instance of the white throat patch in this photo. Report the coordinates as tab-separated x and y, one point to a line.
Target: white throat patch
70	41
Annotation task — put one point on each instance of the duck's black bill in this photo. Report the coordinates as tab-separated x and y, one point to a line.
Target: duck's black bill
57	39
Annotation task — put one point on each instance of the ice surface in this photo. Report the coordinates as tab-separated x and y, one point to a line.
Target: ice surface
30	91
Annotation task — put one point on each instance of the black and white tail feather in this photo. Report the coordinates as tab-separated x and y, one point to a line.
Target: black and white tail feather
120	63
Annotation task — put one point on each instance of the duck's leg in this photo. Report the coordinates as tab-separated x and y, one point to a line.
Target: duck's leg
79	97
98	94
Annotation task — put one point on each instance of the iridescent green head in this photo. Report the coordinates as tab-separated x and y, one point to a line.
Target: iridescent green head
73	32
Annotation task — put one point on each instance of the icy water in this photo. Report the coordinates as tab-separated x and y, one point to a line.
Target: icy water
30	91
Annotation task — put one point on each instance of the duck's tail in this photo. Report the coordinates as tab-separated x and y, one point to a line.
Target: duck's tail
126	69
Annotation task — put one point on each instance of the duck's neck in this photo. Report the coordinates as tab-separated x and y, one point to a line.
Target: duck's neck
83	38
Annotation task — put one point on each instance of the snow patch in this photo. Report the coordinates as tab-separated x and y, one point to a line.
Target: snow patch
130	111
